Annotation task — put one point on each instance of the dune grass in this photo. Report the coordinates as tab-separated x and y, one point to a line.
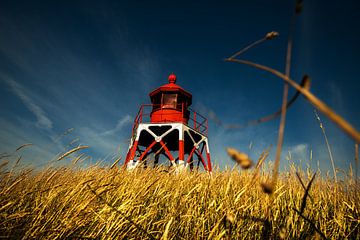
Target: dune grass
103	203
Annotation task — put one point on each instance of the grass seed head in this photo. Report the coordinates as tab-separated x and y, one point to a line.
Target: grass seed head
282	233
267	188
271	35
230	217
241	158
299	6
307	82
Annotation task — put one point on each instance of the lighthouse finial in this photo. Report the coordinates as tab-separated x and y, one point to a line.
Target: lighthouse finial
172	78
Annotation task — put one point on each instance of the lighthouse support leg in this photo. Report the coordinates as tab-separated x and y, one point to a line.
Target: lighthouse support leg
200	158
146	152
181	149
208	156
181	154
180	163
130	160
171	158
190	158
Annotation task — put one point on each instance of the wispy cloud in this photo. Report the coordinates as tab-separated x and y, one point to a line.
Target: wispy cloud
42	120
299	148
120	124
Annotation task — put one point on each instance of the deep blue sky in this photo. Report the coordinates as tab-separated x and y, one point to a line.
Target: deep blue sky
89	65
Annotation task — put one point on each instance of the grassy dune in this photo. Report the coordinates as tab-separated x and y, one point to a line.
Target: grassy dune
103	203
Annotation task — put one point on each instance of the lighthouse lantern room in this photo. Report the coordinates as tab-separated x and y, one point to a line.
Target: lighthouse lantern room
169	127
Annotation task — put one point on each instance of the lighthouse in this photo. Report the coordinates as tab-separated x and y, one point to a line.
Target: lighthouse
168	127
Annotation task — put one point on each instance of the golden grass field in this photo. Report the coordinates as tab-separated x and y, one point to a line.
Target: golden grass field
109	203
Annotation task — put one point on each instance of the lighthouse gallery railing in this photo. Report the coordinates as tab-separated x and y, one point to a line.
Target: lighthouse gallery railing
196	121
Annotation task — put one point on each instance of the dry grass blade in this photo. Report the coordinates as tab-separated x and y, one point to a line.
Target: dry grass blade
266	232
262	157
261	160
3	164
158	151
70	152
303	202
74	141
75	160
166	232
150	236
23	146
284	104
13	184
327	144
4	155
356	161
303	185
313	225
316	102
81	237
269	36
248	47
116	162
16	163
64	134
254	219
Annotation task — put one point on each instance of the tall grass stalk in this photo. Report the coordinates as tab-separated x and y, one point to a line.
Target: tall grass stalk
327	144
356	162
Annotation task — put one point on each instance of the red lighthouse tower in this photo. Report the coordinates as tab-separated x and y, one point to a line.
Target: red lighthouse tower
169	127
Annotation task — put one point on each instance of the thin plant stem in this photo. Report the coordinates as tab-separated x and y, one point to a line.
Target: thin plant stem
327	144
356	162
284	104
248	47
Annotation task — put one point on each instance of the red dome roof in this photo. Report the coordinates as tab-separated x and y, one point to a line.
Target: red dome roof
172	78
172	87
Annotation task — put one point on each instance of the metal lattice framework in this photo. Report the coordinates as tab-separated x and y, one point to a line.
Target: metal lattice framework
174	140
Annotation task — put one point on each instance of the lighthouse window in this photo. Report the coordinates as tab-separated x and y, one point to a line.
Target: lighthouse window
169	100
156	101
